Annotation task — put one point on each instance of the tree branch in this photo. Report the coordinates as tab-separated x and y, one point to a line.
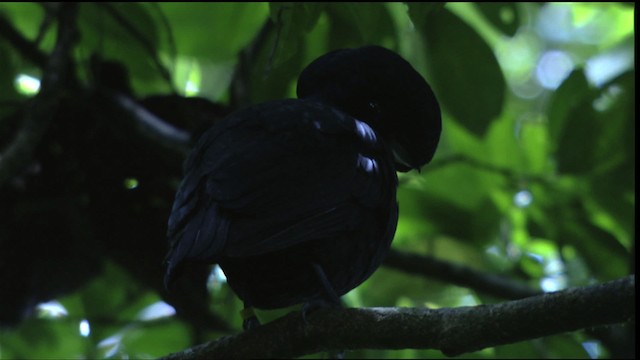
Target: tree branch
26	48
43	105
453	331
153	127
433	268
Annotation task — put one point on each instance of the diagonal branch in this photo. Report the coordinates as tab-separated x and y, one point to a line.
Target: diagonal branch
433	268
453	331
24	46
42	107
153	127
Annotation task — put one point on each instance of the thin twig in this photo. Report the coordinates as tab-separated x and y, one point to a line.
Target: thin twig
433	268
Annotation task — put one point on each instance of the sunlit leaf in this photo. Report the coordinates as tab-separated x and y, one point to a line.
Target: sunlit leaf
459	215
569	95
129	35
25	16
155	340
214	31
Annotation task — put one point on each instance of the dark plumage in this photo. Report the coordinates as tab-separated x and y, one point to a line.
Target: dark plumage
296	199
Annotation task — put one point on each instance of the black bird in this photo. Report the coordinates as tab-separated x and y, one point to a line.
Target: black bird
296	199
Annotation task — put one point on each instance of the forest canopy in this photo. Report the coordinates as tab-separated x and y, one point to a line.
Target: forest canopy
532	187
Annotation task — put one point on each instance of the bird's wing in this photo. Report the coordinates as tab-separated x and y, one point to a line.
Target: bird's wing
272	176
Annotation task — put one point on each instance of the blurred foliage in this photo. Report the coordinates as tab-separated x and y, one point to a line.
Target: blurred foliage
534	177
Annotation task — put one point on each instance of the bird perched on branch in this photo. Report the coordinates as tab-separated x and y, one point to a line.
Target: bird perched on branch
296	199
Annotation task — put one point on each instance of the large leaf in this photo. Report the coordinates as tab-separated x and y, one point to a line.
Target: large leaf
606	258
127	33
597	129
419	11
357	24
293	21
26	17
466	75
270	81
449	205
214	31
613	190
571	93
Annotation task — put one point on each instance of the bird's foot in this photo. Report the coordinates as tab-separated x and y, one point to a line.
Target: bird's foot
316	304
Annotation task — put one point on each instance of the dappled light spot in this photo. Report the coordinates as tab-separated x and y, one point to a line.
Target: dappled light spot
27	85
85	328
523	198
553	67
51	310
157	310
553	283
608	98
602	68
111	345
592	348
216	278
131	183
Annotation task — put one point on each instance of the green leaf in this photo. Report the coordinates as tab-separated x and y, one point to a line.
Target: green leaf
44	339
611	201
214	31
449	206
534	140
419	11
606	258
7	75
126	33
357	24
597	134
155	340
467	78
293	21
271	81
567	96
503	15
24	16
612	191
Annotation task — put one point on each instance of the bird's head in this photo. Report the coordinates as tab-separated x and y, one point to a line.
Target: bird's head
379	87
